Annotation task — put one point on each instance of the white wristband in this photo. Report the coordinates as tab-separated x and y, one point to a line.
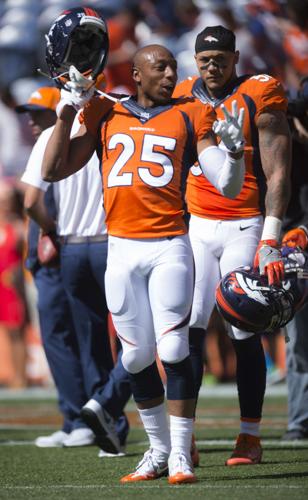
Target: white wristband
271	228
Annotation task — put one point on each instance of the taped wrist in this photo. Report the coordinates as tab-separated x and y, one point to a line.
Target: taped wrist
271	228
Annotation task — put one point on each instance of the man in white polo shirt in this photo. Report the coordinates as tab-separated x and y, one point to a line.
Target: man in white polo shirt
81	230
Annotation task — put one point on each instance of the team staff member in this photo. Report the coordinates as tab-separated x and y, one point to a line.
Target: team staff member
297	347
144	144
56	324
98	390
297	356
228	233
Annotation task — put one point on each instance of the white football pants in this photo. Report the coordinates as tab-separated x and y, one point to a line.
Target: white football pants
149	290
219	246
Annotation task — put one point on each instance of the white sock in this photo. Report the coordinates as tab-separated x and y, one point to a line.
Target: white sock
252	428
156	426
181	430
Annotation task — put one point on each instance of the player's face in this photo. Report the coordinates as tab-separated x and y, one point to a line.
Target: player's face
40	120
156	79
216	68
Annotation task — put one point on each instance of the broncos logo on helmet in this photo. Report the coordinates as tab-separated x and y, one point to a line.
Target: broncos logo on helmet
248	302
79	38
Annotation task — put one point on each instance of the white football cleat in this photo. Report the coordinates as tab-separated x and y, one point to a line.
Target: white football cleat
150	467
181	469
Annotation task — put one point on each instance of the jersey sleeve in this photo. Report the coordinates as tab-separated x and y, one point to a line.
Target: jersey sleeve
184	88
94	112
271	96
204	120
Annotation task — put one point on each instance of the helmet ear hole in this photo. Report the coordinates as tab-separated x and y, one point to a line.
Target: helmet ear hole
79	38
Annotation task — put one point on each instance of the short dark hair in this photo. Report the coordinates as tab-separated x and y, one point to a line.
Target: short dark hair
215	38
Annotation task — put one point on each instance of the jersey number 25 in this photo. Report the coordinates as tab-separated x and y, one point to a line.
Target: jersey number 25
116	178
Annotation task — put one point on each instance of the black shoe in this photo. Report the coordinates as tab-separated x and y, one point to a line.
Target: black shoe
294	435
103	426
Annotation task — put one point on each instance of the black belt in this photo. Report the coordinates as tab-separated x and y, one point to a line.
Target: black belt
83	239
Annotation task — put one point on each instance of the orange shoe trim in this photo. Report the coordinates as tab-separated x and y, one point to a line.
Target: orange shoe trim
240	461
181	478
133	478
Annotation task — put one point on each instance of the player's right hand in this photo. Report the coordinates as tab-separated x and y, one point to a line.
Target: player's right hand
296	238
75	99
269	260
77	92
230	130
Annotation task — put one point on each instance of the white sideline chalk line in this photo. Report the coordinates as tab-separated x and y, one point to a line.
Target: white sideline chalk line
202	485
206	442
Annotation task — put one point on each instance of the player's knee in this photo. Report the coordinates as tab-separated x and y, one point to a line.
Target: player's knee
136	359
173	348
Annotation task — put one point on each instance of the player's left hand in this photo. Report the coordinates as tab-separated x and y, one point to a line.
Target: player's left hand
269	260
230	130
296	238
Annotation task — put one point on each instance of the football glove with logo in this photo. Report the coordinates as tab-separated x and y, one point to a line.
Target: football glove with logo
230	130
77	91
269	261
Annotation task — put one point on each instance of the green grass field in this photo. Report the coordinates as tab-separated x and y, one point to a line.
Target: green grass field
30	472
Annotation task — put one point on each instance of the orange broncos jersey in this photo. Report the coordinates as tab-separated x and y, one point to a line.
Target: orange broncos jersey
146	155
257	94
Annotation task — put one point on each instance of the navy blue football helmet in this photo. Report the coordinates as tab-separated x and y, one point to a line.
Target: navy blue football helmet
246	300
79	38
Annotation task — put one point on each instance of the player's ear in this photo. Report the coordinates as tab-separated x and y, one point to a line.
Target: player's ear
236	56
136	74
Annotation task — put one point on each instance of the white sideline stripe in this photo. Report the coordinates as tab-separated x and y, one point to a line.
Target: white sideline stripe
196	486
213	391
205	442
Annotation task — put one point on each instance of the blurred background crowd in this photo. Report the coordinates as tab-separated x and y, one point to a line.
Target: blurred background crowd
272	37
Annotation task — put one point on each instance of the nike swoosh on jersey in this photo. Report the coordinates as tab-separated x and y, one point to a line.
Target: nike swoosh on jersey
243	228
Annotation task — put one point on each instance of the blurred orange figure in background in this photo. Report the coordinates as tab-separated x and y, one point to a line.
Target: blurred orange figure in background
13	310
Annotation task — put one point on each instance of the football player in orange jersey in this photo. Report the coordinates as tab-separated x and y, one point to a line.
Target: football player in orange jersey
146	144
225	233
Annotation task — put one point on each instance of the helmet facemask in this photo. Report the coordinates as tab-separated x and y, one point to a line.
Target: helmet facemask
84	50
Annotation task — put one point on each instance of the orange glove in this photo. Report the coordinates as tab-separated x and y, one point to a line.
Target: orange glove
296	238
269	260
